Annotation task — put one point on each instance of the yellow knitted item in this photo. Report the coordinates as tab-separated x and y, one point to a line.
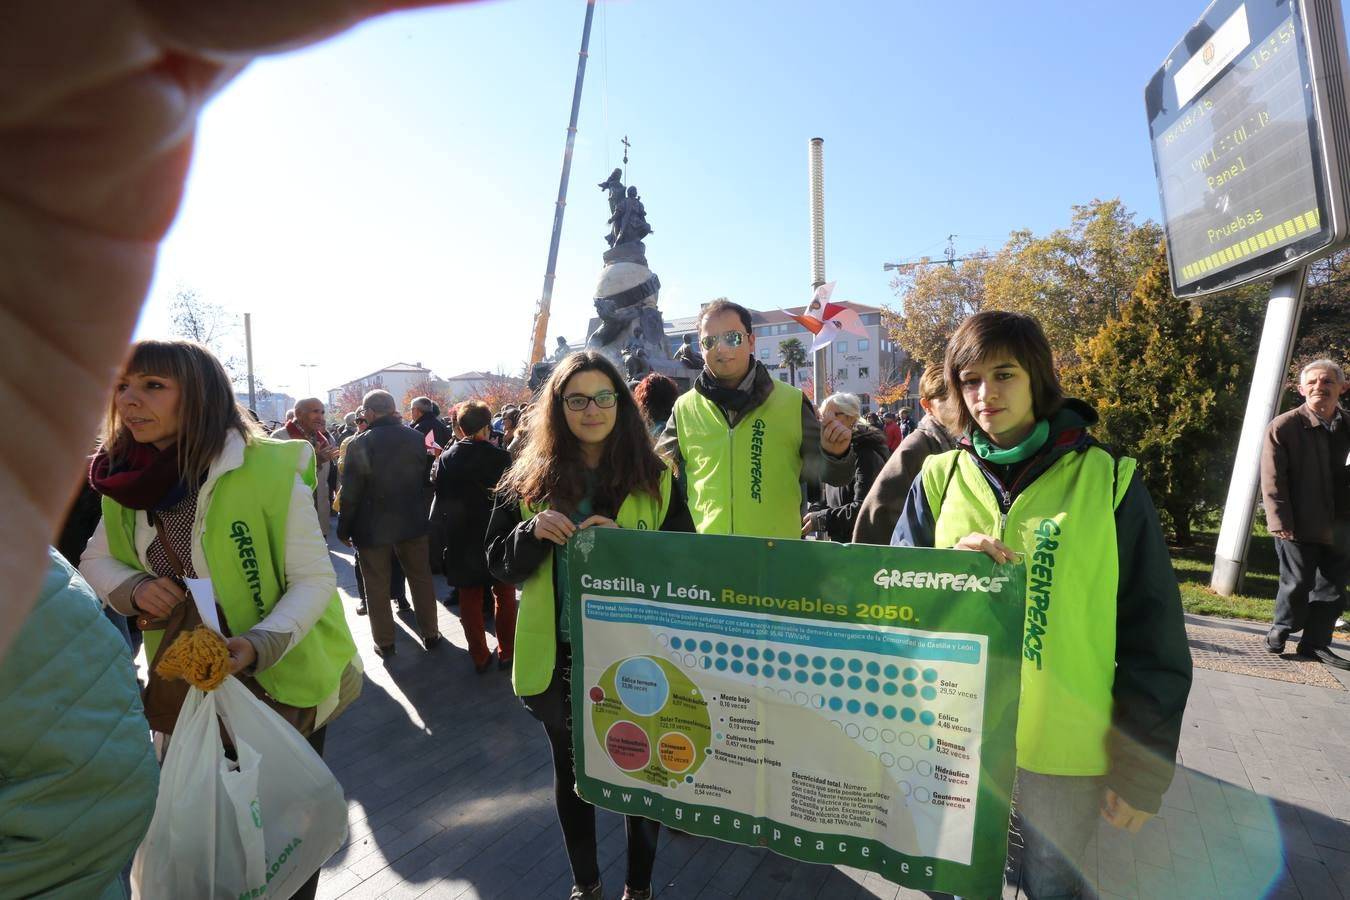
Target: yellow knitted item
199	657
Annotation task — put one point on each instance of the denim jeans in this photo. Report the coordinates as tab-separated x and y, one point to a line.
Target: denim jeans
1056	816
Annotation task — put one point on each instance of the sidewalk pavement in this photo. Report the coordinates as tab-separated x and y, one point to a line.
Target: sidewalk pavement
449	789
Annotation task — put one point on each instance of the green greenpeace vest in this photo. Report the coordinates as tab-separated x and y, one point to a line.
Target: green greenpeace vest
744	480
245	548
1064	527
537	623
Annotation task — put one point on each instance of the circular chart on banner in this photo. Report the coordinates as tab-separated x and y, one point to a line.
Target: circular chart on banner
651	720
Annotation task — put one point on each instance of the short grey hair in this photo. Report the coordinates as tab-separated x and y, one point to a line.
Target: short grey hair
379	404
847	404
1328	365
422	404
350	418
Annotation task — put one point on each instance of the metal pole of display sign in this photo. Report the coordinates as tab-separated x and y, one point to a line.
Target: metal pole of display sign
816	156
1272	366
248	350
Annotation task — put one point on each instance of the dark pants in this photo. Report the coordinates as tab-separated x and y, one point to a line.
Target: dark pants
1054	817
375	567
553	709
1312	590
398	588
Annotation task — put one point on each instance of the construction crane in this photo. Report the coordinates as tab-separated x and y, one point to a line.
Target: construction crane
949	255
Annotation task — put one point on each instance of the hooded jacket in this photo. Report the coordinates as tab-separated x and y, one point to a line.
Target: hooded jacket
881	508
1150	676
842	503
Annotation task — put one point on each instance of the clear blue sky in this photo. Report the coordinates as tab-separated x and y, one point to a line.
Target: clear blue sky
389	195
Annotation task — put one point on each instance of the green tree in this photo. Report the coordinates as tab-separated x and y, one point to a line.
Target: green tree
1075	278
794	357
1167	384
934	299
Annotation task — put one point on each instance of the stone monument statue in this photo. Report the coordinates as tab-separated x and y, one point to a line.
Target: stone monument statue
561	350
688	354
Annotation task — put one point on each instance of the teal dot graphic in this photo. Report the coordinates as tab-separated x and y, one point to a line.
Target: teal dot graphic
892	672
853	706
836	663
907	714
909	690
889	689
767	670
801	676
752	669
768	656
784	673
818	662
690	643
689	779
836	704
927	717
752	652
870	709
888	711
854	682
911	673
721	664
706	662
722	648
929	692
837	680
873	668
818	678
737	666
930	675
706	646
737	650
872	685
855	665
801	659
675	643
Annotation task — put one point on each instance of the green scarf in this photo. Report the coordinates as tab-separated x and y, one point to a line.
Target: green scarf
989	451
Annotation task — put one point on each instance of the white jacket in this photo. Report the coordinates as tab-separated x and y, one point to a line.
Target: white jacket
310	579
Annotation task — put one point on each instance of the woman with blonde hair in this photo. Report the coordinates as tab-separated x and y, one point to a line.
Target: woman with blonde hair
589	463
191	489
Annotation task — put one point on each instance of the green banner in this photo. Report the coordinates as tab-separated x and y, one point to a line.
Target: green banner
836	703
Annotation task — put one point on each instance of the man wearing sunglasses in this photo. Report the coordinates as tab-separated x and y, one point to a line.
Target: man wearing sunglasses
745	440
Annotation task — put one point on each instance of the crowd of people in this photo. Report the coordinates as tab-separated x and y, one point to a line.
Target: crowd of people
188	481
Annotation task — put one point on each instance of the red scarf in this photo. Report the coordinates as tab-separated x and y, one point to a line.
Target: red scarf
148	478
318	439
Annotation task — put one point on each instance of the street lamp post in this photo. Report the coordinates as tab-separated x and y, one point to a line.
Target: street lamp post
309	377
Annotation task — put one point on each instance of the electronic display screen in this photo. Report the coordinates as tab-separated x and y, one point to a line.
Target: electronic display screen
1232	123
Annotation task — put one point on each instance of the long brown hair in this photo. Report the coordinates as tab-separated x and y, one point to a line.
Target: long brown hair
992	333
207	410
550	468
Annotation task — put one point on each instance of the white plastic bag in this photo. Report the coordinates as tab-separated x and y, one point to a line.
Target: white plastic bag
257	827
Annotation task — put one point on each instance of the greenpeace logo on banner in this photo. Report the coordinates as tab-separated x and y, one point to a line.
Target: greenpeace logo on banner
939	581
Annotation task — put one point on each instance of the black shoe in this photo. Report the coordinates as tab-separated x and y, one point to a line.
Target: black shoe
384	652
482	668
1325	656
594	892
361	608
431	642
1274	643
403	606
503	665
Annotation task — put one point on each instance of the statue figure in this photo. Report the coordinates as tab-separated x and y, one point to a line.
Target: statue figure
634	225
561	349
689	355
635	356
539	373
614	185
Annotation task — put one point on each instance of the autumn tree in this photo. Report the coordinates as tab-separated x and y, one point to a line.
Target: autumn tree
934	299
1324	330
424	388
1073	279
1167	385
498	390
194	318
794	357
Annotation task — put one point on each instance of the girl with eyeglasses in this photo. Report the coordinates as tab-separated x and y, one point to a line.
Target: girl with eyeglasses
589	463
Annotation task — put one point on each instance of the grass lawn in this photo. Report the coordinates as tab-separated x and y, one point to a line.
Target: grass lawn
1194	565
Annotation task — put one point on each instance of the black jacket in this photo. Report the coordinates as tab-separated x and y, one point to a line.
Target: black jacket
842	503
430	423
384	486
464	478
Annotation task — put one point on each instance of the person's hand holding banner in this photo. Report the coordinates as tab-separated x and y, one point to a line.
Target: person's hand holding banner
988	545
551	525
